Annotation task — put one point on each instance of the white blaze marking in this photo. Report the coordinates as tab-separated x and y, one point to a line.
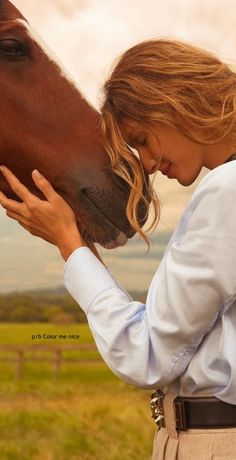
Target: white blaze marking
50	54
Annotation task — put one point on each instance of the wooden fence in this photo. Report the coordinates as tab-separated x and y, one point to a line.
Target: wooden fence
54	354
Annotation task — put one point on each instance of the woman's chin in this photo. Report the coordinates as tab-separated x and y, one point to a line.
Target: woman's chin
186	181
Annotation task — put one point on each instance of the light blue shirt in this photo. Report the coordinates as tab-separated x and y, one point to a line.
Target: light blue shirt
185	334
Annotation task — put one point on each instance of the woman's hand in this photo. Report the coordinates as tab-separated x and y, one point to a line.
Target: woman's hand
51	219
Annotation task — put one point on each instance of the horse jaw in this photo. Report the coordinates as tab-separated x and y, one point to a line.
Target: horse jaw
8	12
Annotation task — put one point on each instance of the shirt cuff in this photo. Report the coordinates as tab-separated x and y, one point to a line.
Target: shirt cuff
85	277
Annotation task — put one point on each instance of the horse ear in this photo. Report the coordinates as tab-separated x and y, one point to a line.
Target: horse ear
8	11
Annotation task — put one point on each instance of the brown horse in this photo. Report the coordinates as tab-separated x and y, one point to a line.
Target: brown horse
45	123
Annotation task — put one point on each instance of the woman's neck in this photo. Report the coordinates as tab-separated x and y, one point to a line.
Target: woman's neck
218	154
231	158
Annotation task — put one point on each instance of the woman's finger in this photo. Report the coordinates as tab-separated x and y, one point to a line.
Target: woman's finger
12	205
24	226
18	217
34	233
28	225
20	190
44	185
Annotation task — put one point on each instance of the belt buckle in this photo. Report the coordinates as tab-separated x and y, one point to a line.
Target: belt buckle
157	408
180	415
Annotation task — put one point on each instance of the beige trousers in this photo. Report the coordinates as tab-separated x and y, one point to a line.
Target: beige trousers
194	444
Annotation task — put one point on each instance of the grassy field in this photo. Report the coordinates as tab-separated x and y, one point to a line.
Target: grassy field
86	413
21	333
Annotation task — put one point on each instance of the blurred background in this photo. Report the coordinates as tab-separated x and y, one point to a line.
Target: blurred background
58	399
88	35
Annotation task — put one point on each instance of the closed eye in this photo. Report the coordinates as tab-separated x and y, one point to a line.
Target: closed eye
139	141
142	141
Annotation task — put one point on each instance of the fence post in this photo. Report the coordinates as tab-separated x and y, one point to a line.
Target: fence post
19	364
58	360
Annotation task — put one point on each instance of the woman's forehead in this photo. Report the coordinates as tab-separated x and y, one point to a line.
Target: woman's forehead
128	127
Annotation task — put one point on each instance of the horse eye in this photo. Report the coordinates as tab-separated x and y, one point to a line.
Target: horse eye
13	48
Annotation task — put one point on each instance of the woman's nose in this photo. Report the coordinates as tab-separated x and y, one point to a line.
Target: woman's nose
150	164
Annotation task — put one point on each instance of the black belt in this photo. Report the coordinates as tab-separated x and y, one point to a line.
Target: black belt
195	412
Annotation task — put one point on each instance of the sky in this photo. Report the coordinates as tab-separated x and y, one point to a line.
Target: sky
87	36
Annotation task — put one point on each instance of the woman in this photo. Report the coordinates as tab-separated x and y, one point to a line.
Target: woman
176	105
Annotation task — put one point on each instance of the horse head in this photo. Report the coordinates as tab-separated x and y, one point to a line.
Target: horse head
47	124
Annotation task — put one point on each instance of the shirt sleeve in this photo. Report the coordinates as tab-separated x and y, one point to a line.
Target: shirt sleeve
150	345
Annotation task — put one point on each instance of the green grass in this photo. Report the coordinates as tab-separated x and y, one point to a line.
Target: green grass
20	333
92	421
87	413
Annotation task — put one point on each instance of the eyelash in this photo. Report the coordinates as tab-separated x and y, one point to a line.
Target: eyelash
141	142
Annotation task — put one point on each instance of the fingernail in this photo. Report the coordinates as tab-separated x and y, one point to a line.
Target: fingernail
37	173
2	168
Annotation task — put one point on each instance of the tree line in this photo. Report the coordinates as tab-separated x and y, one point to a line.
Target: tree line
55	306
40	306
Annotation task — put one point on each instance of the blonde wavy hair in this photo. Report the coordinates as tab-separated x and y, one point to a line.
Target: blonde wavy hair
170	82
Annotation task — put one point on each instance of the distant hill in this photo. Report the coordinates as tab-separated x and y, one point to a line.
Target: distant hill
46	305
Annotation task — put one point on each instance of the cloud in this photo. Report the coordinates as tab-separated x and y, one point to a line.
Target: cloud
89	35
